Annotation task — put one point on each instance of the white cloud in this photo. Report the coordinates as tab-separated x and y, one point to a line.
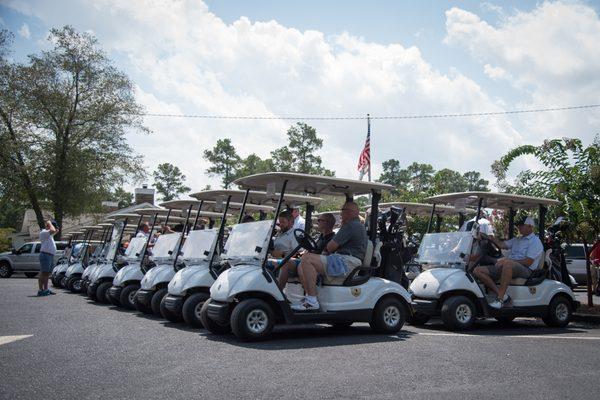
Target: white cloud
495	73
24	31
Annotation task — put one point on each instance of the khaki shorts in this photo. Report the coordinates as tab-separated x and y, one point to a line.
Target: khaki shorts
518	271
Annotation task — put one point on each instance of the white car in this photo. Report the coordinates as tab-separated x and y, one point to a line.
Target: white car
575	258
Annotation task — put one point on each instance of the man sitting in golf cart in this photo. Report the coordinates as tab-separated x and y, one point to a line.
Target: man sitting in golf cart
524	257
344	253
325	224
284	240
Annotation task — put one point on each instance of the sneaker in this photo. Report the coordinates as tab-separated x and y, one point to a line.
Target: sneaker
499	303
41	293
305	306
48	291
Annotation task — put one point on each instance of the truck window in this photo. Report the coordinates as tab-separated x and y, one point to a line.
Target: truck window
575	253
38	246
26	248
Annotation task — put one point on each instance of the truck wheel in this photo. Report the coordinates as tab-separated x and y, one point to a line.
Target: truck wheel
458	313
127	297
101	294
31	274
418	319
156	299
559	312
167	314
192	308
389	316
252	319
211	325
5	270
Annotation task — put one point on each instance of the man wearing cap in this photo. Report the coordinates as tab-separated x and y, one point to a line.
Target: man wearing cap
525	254
47	252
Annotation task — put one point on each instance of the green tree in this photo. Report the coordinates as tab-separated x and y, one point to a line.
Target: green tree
63	120
571	175
225	161
253	164
122	197
475	182
448	181
300	155
169	181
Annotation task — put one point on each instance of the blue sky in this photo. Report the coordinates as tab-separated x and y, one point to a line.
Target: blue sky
337	58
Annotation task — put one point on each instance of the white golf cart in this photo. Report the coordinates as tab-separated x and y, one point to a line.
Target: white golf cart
71	255
189	289
447	288
73	274
108	225
246	299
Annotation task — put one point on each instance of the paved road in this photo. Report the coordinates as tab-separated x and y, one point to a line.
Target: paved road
65	346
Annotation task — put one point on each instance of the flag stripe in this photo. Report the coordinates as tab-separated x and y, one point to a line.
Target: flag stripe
364	160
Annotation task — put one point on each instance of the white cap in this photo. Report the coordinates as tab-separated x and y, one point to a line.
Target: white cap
528	221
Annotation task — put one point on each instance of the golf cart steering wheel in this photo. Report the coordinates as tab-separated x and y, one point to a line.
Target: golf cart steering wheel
495	250
305	240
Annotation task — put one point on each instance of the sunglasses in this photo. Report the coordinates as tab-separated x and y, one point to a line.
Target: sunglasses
321	220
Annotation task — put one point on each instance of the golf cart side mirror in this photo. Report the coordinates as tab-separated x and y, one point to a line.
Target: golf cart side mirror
137	254
258	249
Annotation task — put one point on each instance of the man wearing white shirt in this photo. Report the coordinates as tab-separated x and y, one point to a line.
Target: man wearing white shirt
299	222
47	252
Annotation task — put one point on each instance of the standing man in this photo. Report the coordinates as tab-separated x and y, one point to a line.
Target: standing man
299	222
47	252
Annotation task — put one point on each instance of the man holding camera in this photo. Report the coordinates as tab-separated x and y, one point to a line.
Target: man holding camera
47	252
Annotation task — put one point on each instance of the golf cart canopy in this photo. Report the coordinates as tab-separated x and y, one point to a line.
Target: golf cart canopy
310	184
211	207
256	197
423	208
503	201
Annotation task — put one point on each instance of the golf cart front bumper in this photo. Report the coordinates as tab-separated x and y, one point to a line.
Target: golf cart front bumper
425	306
144	297
218	312
173	303
114	293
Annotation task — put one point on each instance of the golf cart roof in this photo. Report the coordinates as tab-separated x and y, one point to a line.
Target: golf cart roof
424	208
210	208
76	233
89	227
105	224
256	197
310	184
493	200
125	215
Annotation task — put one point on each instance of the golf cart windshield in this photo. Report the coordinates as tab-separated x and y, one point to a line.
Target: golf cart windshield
444	248
114	240
198	244
248	241
165	245
135	248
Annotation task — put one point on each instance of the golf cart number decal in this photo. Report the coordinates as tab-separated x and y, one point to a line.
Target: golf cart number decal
355	292
532	290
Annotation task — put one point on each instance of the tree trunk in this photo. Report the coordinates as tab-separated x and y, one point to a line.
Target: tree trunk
588	270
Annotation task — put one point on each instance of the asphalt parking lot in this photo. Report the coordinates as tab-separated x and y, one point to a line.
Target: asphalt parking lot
65	346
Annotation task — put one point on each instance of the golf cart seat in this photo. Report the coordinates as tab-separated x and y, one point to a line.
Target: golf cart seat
358	275
537	276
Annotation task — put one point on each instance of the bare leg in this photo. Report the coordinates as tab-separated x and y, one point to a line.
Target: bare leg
44	280
41	281
505	278
284	273
484	275
310	266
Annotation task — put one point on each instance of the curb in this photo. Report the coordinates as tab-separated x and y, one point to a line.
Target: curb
593	318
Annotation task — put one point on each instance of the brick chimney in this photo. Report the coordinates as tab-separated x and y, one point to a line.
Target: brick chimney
144	195
110	206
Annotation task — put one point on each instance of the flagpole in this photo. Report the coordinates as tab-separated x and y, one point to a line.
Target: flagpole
369	130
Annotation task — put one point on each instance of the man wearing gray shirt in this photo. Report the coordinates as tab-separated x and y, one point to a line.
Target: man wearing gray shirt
343	253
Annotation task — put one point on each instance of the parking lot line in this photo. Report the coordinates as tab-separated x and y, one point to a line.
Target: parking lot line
13	338
512	336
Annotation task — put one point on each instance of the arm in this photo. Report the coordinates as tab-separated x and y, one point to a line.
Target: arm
332	246
501	244
51	228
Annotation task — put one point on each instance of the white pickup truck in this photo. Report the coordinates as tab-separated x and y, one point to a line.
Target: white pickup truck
25	259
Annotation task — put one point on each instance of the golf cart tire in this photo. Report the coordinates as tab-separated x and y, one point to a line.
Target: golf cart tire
63	282
113	301
252	320
188	311
156	300
125	296
5	270
31	274
455	305
102	291
90	292
70	283
505	320
211	325
559	312
389	315
168	315
418	319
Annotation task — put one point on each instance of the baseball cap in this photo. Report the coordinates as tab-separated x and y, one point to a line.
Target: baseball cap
54	224
526	221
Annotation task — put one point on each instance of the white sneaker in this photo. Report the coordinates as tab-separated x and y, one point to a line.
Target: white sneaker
305	306
497	304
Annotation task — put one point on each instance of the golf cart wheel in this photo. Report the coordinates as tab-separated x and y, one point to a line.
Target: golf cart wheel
211	325
252	319
63	282
458	313
5	270
192	309
31	274
389	315
69	284
418	319
505	320
559	312
167	314
127	296
156	300
77	286
101	292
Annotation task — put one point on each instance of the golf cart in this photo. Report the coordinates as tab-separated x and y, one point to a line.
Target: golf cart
246	299
128	279
72	278
72	253
100	279
100	256
189	288
448	288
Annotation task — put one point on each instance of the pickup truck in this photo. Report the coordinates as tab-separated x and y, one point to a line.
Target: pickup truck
25	259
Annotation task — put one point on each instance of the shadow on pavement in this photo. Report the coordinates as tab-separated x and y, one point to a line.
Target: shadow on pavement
311	336
519	327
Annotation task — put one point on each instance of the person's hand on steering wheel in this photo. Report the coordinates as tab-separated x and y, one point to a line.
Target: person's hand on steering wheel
304	240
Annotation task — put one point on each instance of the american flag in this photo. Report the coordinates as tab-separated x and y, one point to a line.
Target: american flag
364	160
